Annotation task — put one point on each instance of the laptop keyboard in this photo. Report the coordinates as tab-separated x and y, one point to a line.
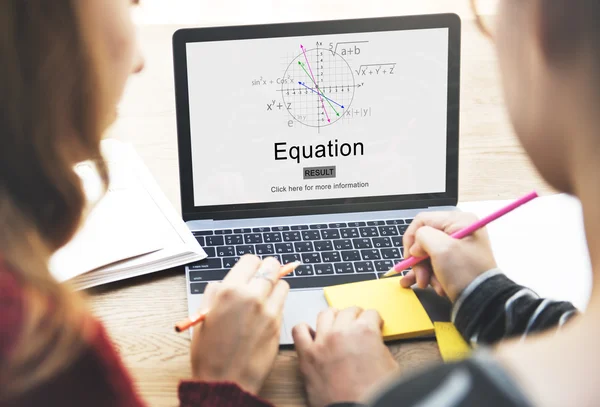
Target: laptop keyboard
331	254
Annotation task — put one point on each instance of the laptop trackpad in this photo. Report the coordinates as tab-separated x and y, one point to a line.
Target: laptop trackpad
301	307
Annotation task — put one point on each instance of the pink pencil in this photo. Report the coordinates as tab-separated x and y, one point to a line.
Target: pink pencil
411	261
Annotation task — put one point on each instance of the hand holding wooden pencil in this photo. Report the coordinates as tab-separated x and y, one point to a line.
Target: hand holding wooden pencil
239	337
201	315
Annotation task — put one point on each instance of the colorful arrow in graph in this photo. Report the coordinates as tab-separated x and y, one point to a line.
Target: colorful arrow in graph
330	101
318	91
315	82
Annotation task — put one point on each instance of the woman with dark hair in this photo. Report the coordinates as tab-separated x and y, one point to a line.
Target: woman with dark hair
532	351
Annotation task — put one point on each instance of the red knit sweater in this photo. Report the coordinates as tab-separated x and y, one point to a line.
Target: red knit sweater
98	377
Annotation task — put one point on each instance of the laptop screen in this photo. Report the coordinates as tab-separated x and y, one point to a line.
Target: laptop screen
305	118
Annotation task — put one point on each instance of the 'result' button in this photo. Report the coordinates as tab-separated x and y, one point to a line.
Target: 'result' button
319	172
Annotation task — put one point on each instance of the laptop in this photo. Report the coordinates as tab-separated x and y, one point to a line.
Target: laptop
316	141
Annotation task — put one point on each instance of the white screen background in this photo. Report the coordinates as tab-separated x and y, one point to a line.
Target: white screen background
233	132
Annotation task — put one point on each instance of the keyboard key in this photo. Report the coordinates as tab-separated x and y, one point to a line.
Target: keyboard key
275	256
402	228
303	247
349	233
290	258
330	234
311	258
345	244
215	241
384	265
223	232
244	230
200	240
210	251
350	255
311	235
299	227
397	241
202	232
331	257
343	268
253	238
273	237
364	267
264	249
369	232
362	243
390	254
337	225
261	230
356	224
280	228
244	249
229	262
198	288
207	275
382	242
323	245
375	223
234	239
206	264
223	251
284	248
323	269
372	254
326	281
319	226
388	231
408	221
304	270
291	236
395	222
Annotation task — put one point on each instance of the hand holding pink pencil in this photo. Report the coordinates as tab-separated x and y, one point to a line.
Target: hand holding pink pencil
411	261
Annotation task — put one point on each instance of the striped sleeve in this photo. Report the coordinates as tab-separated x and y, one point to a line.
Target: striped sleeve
490	309
493	308
475	382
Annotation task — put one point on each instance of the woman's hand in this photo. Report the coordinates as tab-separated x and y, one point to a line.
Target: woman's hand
345	358
239	339
453	263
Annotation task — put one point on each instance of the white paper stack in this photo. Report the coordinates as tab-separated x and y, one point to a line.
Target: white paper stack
133	230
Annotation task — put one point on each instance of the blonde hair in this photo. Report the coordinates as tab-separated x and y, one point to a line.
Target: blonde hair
50	110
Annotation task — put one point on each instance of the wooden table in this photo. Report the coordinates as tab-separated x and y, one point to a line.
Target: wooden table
140	313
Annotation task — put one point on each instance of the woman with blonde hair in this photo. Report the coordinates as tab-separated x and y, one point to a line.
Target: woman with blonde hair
63	70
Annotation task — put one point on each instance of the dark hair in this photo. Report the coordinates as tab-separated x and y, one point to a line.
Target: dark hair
570	27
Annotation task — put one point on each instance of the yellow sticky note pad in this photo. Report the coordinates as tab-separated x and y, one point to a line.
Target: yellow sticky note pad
402	313
451	343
